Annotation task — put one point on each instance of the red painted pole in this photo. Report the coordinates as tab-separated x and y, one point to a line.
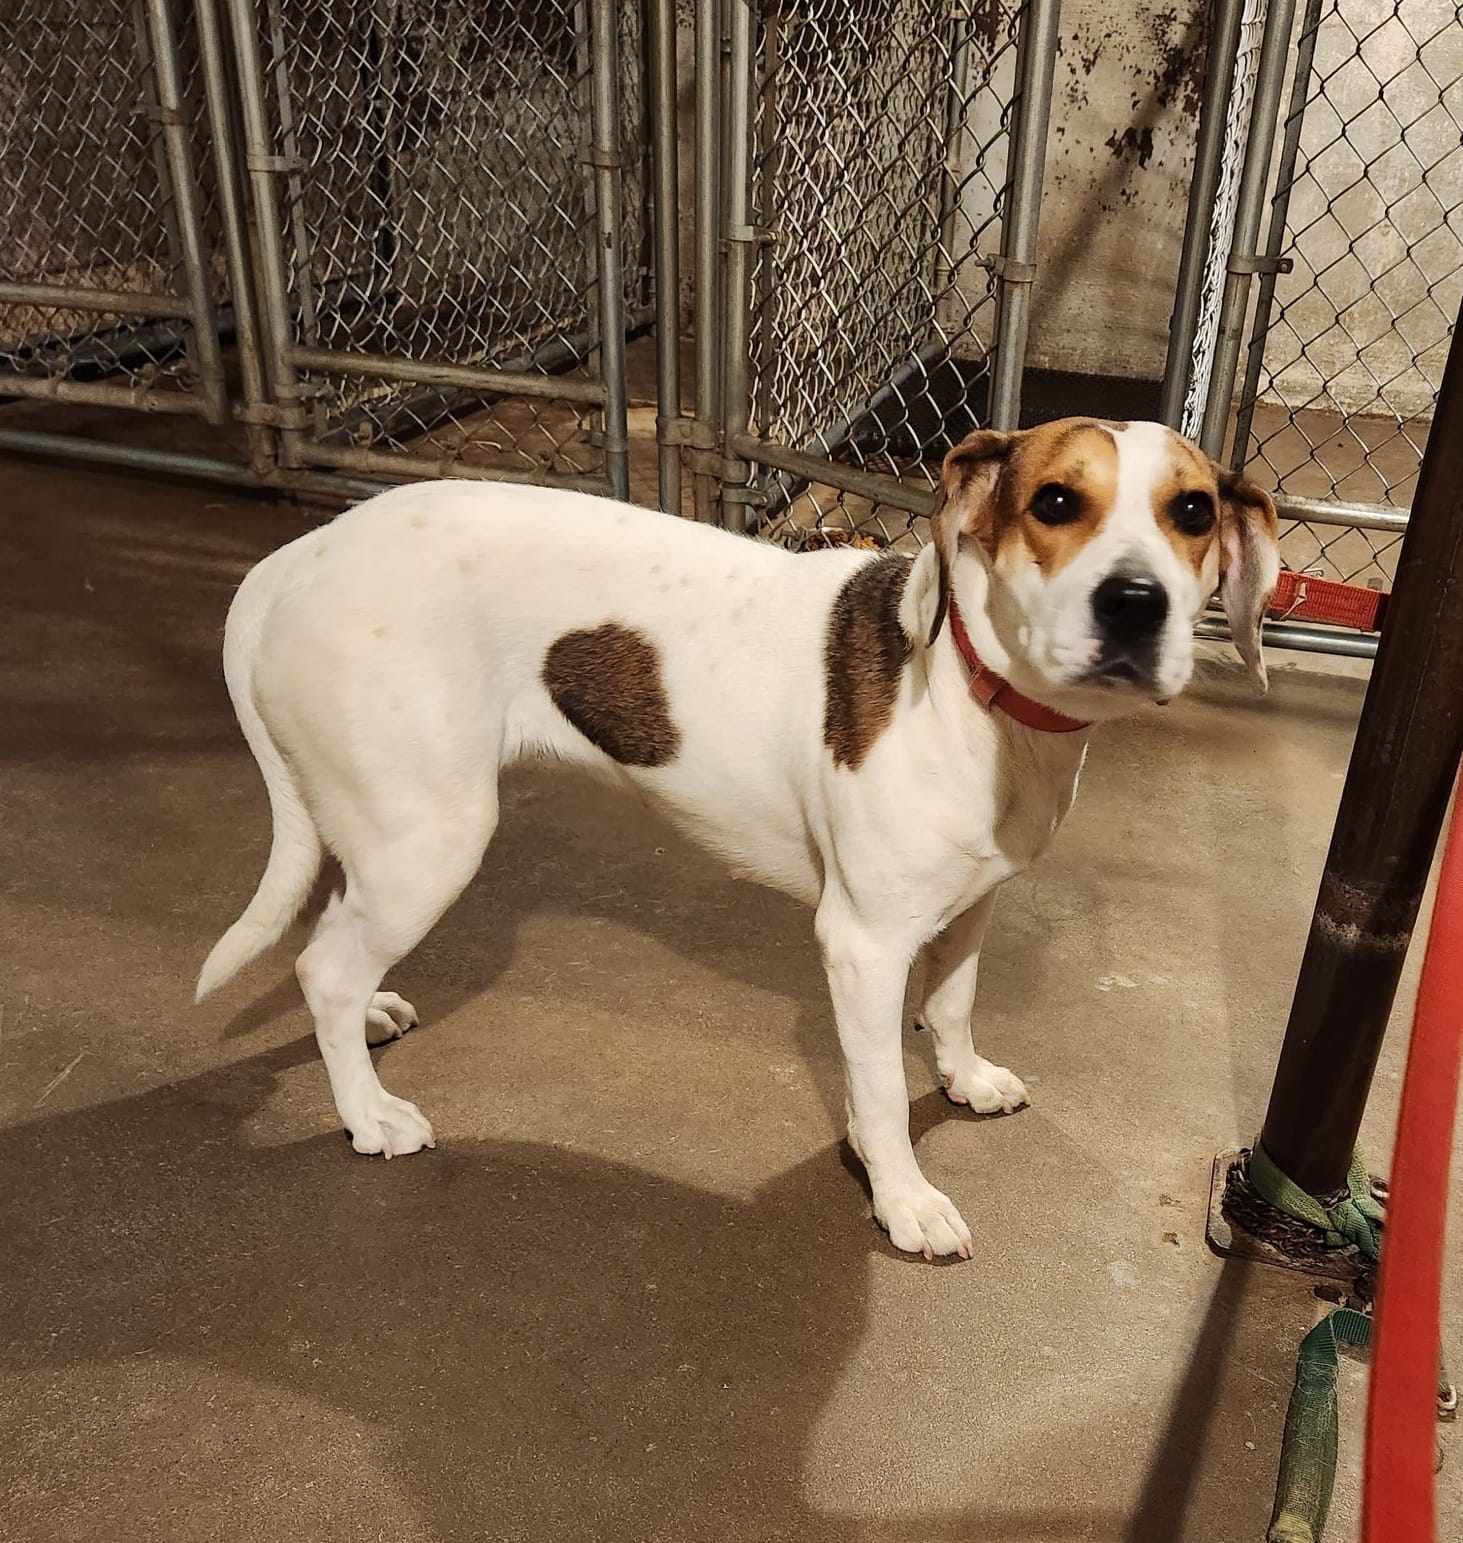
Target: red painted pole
1398	1503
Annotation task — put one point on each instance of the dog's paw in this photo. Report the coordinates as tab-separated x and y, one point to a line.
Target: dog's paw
390	1126
920	1220
987	1089
388	1017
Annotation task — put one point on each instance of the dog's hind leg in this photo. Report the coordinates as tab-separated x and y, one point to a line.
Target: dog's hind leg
394	892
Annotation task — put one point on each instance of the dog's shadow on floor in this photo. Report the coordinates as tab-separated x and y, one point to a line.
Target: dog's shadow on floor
547	1345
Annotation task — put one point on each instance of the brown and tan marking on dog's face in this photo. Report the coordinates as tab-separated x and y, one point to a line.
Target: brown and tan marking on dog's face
1109	539
866	651
607	682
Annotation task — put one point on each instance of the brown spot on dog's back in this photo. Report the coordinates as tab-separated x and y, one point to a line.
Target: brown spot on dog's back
866	651
606	681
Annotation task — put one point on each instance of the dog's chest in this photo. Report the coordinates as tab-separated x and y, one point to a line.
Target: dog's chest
1030	800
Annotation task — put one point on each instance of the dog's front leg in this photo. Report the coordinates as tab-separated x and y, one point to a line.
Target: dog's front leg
867	973
952	964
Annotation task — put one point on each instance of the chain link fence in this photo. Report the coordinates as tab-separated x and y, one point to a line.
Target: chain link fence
878	169
449	242
411	237
439	205
108	278
1348	340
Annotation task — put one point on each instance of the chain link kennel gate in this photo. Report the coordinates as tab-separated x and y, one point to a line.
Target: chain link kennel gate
867	222
394	240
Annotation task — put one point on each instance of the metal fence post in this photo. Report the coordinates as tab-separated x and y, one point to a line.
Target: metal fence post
219	95
172	109
666	210
1017	263
1305	53
707	488
605	63
1183	329
262	163
1249	207
741	238
1403	765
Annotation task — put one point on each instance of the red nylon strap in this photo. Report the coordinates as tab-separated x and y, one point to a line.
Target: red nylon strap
1401	1441
992	690
1344	605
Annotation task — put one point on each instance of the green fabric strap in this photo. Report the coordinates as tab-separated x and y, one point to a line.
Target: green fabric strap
1308	1451
1355	1220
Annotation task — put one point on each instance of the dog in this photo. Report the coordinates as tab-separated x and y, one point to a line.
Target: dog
886	739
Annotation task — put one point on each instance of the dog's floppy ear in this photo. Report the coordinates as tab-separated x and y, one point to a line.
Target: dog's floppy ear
1249	563
965	507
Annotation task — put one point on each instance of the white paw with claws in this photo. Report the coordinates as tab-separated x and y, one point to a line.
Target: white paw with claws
389	1125
986	1088
388	1017
920	1220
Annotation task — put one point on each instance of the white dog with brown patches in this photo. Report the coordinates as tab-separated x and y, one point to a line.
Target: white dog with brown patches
888	741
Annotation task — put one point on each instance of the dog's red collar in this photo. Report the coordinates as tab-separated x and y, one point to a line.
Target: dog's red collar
992	690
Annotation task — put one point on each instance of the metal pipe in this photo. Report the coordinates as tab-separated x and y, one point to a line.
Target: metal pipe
1023	209
1304	639
766	295
1403	765
261	162
412	468
781	491
218	96
291	161
1249	206
116	301
207	357
962	24
741	238
706	487
1323	511
665	209
605	153
1183	327
173	463
1305	53
417	372
139	398
811	468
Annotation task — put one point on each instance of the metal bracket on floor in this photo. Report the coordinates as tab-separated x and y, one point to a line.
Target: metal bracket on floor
1243	1225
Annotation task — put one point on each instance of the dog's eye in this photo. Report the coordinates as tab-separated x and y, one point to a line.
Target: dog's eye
1055	504
1193	513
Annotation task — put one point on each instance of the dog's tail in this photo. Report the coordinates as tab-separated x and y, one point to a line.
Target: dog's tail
295	852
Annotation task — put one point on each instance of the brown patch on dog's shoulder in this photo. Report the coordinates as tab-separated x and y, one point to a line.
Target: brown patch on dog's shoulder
866	652
607	682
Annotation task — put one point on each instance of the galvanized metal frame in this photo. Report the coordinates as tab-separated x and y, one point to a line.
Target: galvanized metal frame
192	303
1244	254
273	307
728	240
1209	147
1323	519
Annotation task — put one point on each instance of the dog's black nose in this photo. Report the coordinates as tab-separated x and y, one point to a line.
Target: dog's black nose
1128	608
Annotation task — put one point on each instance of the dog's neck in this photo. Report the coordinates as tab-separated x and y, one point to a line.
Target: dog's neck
996	642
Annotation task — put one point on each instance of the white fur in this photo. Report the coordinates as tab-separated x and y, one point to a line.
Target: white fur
386	666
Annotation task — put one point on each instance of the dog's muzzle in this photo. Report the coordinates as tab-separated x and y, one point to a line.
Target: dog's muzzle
1128	612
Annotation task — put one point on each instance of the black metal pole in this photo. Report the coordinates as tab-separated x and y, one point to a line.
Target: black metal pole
1403	764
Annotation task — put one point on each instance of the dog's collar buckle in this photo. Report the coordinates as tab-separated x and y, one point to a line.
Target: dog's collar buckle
992	690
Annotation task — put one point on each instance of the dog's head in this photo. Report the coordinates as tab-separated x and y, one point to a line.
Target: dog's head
1101	543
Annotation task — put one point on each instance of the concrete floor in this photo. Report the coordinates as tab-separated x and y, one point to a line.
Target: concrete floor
635	1293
